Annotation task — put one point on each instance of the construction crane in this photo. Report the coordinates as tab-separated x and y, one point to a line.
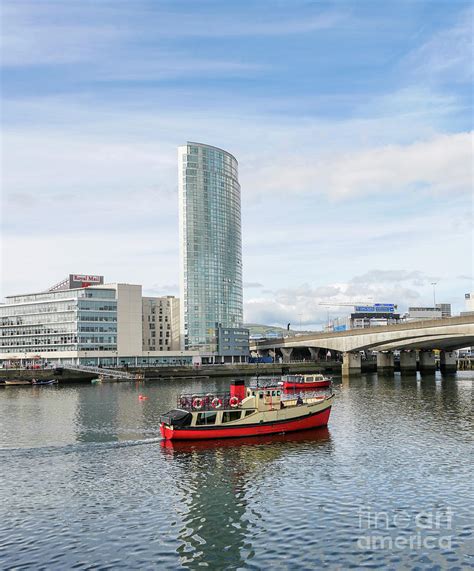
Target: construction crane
343	303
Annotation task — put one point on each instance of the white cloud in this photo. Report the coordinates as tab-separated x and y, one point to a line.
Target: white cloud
442	165
309	307
448	55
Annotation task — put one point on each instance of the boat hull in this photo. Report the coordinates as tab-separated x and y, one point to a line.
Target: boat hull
312	420
313	385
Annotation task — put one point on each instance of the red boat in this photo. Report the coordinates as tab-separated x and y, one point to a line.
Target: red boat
244	412
315	381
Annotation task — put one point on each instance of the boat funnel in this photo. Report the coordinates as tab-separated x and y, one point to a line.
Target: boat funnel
237	389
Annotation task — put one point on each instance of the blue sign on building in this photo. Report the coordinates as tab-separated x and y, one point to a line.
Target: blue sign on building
376	308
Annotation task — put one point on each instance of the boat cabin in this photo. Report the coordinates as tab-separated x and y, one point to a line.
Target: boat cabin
222	409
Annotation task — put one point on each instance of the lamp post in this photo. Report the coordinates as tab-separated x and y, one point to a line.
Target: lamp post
434	284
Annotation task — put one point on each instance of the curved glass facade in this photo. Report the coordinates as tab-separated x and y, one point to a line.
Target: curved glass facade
210	244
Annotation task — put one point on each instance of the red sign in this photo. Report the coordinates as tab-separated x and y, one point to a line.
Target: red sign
86	279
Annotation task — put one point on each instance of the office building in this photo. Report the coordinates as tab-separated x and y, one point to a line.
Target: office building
469	304
82	320
445	309
419	313
161	323
210	245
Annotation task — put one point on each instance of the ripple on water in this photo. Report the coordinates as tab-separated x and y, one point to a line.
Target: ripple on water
122	500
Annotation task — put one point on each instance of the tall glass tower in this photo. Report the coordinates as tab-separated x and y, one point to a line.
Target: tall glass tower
210	244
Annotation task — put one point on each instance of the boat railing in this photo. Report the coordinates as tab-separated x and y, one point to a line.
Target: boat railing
264	382
208	401
306	395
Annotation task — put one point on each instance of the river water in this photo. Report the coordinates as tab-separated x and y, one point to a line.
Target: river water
87	483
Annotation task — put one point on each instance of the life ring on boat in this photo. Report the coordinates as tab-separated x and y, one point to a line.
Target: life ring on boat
234	401
197	403
216	403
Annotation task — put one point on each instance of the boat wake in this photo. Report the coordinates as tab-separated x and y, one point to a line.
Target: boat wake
76	447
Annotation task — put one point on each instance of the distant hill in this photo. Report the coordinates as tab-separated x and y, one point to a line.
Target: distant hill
258	329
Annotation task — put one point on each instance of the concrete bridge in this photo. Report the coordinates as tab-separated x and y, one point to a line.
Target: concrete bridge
423	337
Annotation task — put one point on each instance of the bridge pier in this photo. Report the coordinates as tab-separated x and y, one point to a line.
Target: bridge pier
447	361
286	352
314	353
351	363
427	361
408	361
385	362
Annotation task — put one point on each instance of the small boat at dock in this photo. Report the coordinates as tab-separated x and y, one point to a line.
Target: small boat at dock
313	381
245	411
30	383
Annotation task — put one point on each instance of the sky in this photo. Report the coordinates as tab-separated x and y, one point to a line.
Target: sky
351	122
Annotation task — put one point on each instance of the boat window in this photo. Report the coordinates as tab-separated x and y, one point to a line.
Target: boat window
248	412
206	418
309	379
253	393
268	393
260	395
278	393
230	415
273	393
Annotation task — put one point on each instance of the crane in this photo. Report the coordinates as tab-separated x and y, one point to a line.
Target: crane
343	303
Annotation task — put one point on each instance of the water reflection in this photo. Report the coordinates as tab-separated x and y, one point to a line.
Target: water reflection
398	442
217	478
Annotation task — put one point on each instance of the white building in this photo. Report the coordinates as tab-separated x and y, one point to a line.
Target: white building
420	313
83	324
160	323
469	303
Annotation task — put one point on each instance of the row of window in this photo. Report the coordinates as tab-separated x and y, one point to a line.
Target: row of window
206	418
35	342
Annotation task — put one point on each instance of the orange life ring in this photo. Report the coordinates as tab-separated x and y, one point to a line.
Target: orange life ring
197	403
216	403
234	401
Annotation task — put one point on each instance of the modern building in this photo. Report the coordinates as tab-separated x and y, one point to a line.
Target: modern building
161	323
80	321
420	313
445	309
362	316
210	245
232	344
469	304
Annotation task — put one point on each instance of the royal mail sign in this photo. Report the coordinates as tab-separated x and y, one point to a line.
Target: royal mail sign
87	278
84	280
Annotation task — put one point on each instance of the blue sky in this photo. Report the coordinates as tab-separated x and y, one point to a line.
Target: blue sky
351	122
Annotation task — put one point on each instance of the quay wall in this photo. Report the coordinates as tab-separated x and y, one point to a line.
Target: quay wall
64	375
155	373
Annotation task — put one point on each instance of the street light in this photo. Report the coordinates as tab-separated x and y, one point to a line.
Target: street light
434	284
